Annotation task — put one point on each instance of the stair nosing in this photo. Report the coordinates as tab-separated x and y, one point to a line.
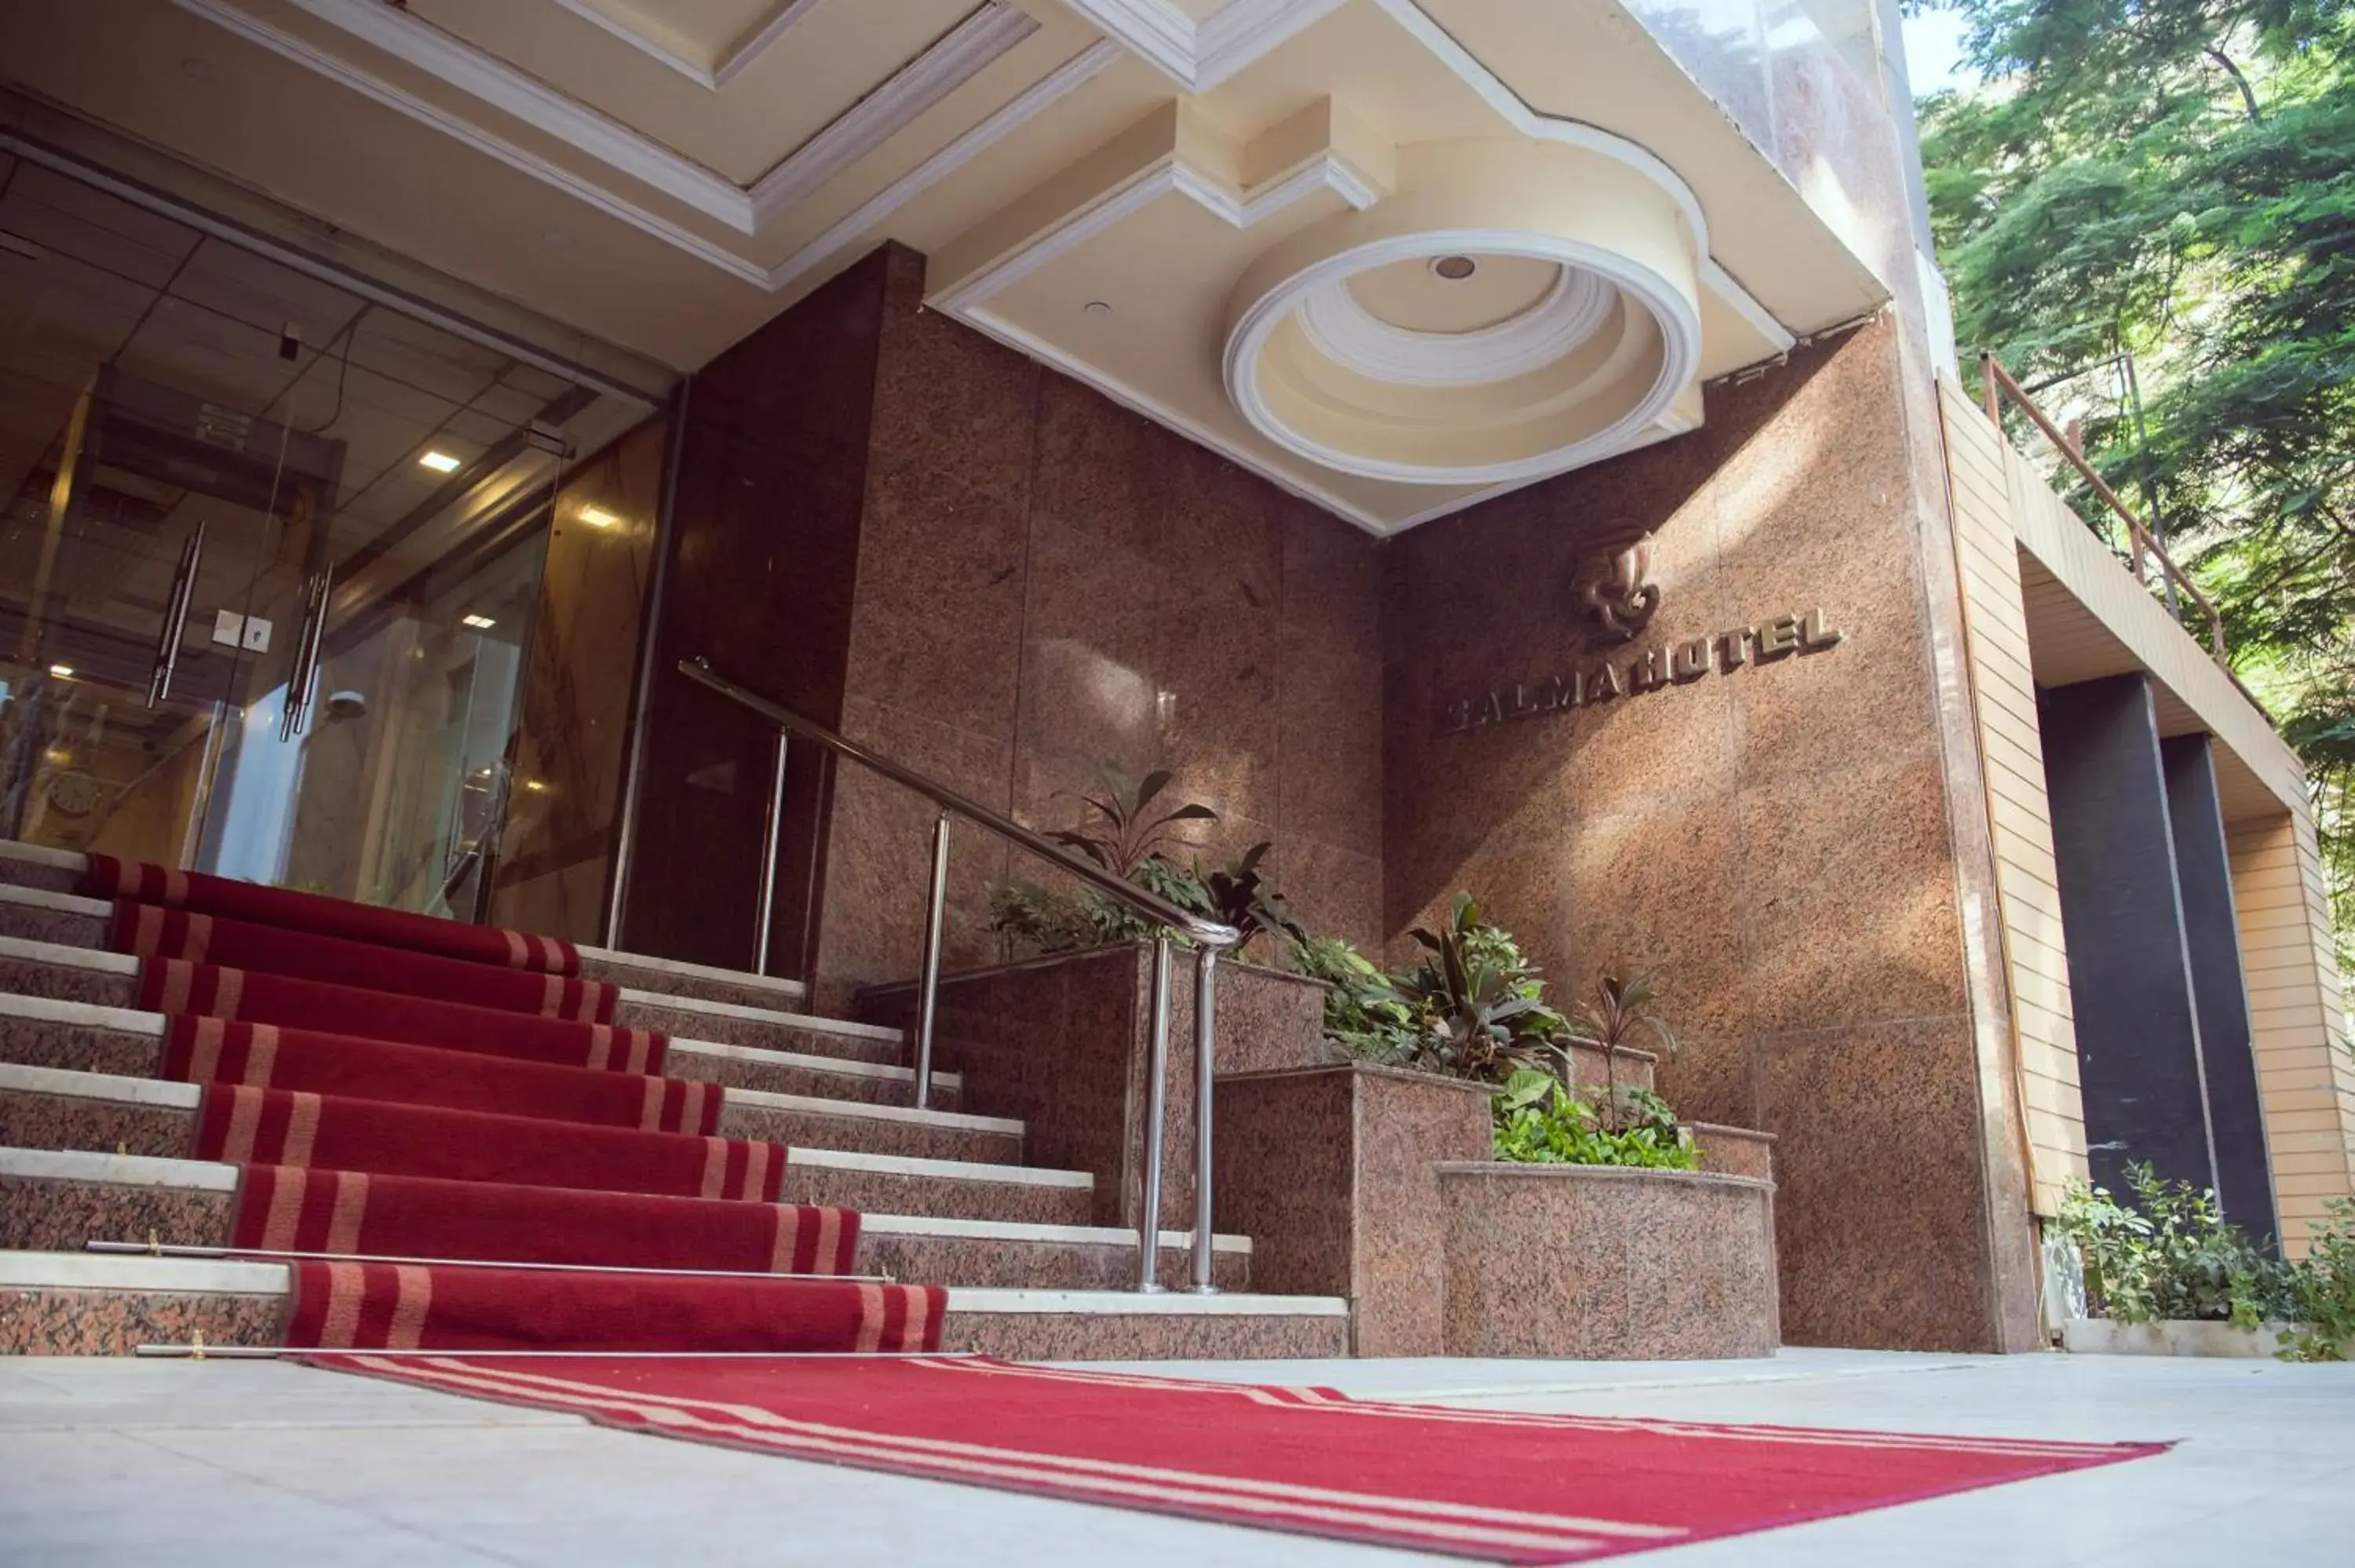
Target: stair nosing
938	1170
118	1169
86	1014
810	1021
63	902
133	1271
65	956
42	854
1030	1230
65	1082
1003	1299
838	1065
868	1110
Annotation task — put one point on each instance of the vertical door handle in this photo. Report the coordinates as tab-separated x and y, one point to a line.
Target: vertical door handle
175	617
306	652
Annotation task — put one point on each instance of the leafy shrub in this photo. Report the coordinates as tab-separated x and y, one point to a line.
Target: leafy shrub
1541	1121
2323	1286
2171	1256
1364	1016
1478	1004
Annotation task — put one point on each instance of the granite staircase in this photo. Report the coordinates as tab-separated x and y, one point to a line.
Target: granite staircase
93	1145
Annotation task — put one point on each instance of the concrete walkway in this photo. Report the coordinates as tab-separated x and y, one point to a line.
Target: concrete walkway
228	1462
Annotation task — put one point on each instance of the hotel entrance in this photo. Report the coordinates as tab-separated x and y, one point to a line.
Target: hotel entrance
273	558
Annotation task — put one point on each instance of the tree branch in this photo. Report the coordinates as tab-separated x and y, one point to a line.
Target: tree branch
2248	93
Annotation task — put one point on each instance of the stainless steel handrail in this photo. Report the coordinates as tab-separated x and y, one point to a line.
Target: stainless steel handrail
1211	937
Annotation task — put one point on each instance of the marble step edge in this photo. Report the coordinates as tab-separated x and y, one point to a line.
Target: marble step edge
94	1169
68	861
67	1083
130	1020
227	1277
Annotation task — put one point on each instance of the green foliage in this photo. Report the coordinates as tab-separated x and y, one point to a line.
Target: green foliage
1238	896
1364	1013
1129	835
2175	179
2324	1286
2171	1256
1540	1121
1479	1004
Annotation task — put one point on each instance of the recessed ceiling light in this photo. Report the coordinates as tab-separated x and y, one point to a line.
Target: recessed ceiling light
479	622
1097	309
1454	269
62	672
536	785
440	462
598	517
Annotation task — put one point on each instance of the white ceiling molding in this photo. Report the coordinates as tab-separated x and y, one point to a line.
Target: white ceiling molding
374	88
1167	176
1346	333
1199	55
978	41
744	54
1571	133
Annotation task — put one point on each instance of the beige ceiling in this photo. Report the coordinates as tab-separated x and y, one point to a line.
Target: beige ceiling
665	174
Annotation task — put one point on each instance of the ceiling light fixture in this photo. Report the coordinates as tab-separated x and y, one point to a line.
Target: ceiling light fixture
440	462
62	672
479	622
598	517
1454	269
1097	309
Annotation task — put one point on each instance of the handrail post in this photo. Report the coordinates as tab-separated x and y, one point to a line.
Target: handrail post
771	839
1156	1116
1206	1062
928	1002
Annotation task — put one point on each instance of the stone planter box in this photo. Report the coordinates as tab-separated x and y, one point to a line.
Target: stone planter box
2108	1337
1607	1263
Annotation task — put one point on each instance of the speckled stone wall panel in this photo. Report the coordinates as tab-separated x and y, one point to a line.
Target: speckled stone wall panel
67	982
1790	845
113	1322
1049	583
1145	1336
1733	1151
39	1214
1267	1018
80	1047
99	1126
891	1192
670	982
1330	1172
31	873
1604	1262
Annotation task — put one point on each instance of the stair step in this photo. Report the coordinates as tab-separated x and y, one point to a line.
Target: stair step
764	1028
70	1303
35	865
804	1121
42	915
58	973
37	1032
798	1073
954	1188
49	1107
53	1200
37	901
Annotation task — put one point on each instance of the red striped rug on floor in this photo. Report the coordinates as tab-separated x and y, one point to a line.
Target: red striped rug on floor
154	931
213	991
1492	1486
402	1307
280	1209
264	1056
107	877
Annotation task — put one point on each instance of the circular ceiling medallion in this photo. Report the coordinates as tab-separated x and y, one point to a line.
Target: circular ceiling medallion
1336	319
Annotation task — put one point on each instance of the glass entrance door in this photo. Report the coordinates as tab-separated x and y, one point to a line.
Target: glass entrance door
270	562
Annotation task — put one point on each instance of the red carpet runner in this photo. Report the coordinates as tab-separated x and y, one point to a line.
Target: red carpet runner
1493	1486
436	1103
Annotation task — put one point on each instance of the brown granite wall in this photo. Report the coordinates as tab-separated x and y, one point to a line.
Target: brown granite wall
1047	582
763	548
1790	844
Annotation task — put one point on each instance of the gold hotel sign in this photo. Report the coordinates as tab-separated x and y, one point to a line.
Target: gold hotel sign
1672	664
